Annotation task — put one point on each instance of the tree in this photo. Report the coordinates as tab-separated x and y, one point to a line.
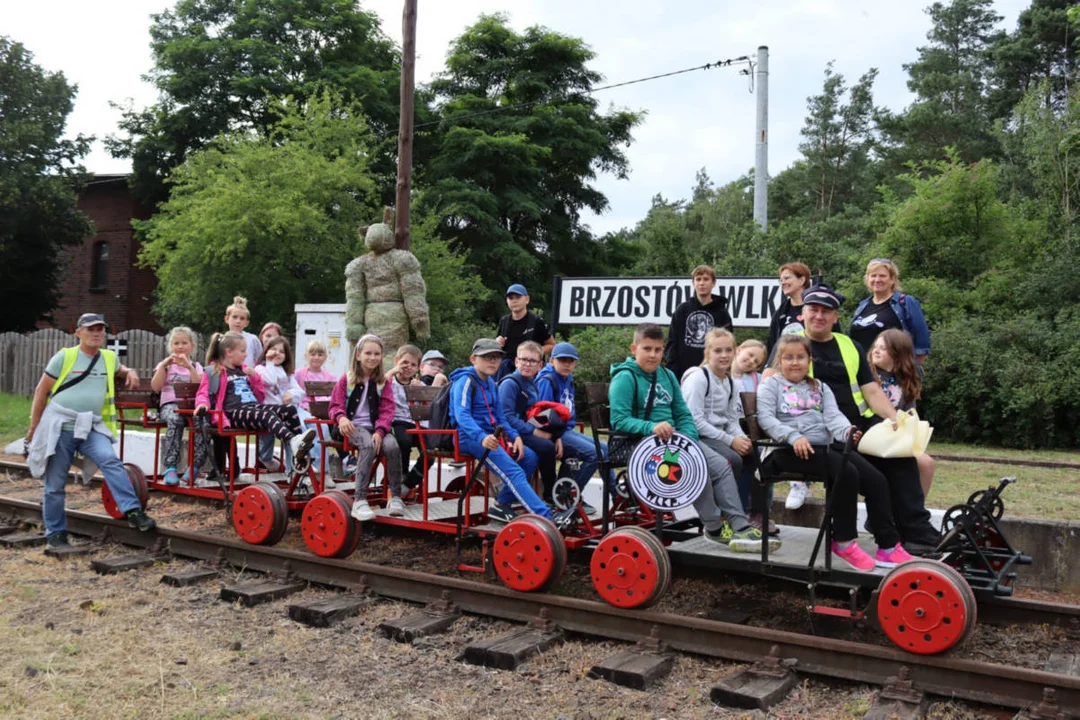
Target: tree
220	65
838	138
520	143
950	84
270	216
39	180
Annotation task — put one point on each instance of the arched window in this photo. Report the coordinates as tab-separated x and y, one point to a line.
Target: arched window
100	265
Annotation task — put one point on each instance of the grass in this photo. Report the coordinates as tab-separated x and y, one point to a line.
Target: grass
14	417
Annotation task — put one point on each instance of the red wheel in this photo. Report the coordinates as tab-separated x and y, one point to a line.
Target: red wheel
664	562
524	555
630	570
925	607
138	484
327	528
557	542
257	514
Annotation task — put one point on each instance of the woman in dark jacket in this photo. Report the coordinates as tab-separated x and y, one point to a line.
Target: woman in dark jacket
794	278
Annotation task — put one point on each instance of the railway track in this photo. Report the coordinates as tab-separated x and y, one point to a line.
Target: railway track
809	655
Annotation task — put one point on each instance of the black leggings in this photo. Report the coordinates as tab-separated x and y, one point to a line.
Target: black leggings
856	479
281	420
907	508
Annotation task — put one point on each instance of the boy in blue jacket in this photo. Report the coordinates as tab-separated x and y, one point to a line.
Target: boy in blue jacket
556	384
476	411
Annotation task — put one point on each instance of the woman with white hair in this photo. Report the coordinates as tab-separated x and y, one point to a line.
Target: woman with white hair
888	307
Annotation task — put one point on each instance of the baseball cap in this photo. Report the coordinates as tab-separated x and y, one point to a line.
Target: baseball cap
822	295
433	355
487	346
517	289
89	319
564	350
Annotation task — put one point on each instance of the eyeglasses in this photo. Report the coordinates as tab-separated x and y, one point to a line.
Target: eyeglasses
794	358
528	361
883	261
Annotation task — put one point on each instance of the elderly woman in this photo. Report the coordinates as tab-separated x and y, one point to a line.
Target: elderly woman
794	278
886	308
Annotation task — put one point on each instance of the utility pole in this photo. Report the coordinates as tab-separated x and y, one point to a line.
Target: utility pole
761	139
405	125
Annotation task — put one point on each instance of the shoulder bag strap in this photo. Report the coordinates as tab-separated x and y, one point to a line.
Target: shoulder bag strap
75	381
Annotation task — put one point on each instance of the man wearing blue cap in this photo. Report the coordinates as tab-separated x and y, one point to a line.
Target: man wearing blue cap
517	327
556	383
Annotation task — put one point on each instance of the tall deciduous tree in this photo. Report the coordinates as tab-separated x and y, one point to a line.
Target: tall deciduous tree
219	65
521	143
949	80
39	179
270	216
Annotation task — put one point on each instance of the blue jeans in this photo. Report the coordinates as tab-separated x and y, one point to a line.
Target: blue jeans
581	446
98	448
513	475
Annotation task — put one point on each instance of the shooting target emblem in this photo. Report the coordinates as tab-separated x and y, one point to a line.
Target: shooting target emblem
667	475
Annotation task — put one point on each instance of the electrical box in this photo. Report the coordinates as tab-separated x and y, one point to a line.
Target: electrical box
325	322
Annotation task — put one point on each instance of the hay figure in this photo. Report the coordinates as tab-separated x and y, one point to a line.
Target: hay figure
384	292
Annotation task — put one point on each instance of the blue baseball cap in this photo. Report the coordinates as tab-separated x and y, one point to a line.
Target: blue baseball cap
822	295
517	289
564	350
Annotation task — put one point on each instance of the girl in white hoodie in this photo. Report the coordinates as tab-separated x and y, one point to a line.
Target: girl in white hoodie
276	370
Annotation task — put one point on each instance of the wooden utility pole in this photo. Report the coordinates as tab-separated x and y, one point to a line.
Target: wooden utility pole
405	126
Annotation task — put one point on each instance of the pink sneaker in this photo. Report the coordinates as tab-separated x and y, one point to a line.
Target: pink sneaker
892	557
854	556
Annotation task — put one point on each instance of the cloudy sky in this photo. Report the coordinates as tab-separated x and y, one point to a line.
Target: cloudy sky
702	119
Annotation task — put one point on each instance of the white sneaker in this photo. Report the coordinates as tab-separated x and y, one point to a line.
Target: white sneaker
362	511
301	445
397	508
797	495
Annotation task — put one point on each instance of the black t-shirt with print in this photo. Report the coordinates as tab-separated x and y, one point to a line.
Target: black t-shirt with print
874	319
238	392
829	368
529	327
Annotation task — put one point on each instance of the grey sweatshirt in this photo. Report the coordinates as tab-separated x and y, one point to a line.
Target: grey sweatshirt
788	411
713	404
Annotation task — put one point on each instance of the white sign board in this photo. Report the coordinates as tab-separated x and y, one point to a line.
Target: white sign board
667	475
633	300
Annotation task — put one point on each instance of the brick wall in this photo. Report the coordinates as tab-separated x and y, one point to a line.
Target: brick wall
127	293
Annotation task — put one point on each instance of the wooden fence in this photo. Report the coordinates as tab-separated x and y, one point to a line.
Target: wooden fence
23	357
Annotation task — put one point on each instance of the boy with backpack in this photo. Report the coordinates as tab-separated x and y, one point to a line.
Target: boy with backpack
482	428
646	399
556	384
692	320
517	327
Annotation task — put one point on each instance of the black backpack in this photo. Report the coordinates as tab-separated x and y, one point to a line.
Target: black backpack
441	419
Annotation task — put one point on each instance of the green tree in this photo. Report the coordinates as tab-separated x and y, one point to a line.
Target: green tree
838	138
949	80
219	66
521	143
270	216
39	180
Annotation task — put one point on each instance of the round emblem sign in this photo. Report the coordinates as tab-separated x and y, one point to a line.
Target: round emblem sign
667	475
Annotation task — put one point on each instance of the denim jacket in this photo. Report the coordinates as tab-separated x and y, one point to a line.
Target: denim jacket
910	313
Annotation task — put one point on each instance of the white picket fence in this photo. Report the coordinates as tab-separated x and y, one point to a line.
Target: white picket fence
23	357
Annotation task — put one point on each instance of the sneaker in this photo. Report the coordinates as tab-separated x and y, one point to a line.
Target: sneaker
396	507
57	540
271	466
749	539
797	495
139	520
362	512
854	556
716	536
501	513
726	532
589	509
186	477
301	445
892	557
756	521
348	465
171	478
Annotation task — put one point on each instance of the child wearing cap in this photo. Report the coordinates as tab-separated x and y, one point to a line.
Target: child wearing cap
433	369
520	325
479	417
556	383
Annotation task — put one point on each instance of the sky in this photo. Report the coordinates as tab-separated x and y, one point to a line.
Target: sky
697	120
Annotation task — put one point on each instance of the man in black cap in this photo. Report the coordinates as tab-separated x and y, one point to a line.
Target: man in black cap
74	411
841	364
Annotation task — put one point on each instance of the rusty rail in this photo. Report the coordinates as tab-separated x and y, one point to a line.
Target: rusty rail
944	676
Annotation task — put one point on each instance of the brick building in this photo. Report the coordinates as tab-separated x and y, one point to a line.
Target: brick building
100	275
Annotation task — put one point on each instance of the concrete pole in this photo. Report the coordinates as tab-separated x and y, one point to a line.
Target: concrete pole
761	139
405	125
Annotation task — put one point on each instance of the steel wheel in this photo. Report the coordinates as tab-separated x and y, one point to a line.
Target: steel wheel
629	570
137	479
327	528
926	607
259	515
525	557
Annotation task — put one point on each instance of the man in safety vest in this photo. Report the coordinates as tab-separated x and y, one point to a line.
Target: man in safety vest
74	410
841	363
